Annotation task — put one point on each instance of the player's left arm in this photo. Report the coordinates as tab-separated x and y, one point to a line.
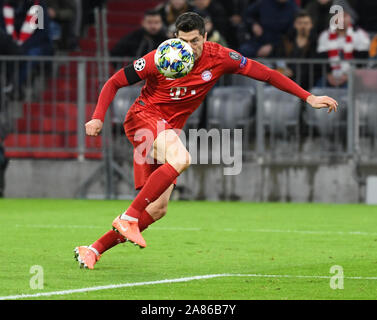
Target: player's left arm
235	63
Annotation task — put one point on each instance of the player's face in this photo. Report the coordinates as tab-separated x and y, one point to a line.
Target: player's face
195	40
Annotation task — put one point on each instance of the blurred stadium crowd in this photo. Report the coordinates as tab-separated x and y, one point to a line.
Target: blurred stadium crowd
269	29
256	28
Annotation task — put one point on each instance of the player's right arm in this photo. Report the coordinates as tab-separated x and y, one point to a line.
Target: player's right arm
133	73
108	92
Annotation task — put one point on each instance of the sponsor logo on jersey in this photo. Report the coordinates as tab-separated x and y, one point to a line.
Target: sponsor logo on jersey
234	56
207	75
243	63
139	64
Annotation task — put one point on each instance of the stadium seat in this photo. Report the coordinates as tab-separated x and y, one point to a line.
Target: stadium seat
366	104
329	124
240	80
231	108
281	111
123	101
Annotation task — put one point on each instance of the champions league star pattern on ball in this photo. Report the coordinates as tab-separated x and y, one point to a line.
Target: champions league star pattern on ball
174	58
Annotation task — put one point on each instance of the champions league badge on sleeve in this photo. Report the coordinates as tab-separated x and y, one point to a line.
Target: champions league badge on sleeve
243	63
140	64
235	56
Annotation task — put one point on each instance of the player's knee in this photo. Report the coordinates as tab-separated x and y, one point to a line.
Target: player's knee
180	162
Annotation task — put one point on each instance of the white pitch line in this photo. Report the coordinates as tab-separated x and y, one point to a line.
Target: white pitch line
186	279
57	226
53	226
358	233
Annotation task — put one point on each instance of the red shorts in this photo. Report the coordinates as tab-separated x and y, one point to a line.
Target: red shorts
142	125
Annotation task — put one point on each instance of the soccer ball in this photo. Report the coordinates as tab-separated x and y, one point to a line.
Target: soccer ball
174	58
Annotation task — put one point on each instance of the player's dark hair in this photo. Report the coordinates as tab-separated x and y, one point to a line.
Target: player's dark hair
152	12
190	21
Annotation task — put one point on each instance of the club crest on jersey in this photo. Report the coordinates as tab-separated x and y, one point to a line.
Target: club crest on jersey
234	55
139	64
207	75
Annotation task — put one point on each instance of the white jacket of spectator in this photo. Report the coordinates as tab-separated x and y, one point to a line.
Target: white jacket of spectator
342	48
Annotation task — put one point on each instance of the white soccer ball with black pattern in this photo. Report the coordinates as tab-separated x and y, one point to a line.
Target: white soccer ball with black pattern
174	58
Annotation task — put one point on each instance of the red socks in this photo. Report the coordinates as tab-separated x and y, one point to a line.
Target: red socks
107	241
145	220
112	238
155	186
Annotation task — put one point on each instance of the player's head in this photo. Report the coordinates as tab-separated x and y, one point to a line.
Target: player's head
152	22
190	27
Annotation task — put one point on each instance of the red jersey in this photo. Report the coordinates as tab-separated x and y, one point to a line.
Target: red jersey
176	99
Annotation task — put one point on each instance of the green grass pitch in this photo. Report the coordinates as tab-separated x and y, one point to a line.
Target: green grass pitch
194	239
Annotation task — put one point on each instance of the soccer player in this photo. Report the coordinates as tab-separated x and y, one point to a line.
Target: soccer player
170	102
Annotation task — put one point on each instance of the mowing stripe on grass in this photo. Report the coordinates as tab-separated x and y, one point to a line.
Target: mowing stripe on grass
352	233
186	279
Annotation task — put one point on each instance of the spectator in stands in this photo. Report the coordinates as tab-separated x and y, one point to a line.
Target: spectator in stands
87	9
319	11
18	20
373	48
234	10
62	21
15	16
7	47
340	46
213	35
301	43
266	21
170	10
366	9
303	3
143	40
214	10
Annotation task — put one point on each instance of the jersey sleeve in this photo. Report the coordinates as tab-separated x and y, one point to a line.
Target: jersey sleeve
108	92
141	69
234	62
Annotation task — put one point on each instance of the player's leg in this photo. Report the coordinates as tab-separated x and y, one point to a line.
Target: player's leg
88	256
169	150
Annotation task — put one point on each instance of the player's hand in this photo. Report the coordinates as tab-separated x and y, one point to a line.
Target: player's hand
93	127
322	102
